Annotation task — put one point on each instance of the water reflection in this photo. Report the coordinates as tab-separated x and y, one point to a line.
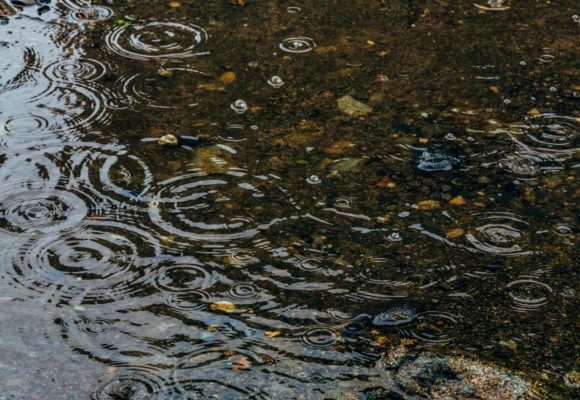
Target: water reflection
333	213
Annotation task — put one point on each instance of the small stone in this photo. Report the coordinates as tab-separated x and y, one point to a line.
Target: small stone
241	363
511	344
164	73
174	4
352	107
227	78
428	205
168	140
224	306
454	233
339	148
572	379
386	183
210	86
457	201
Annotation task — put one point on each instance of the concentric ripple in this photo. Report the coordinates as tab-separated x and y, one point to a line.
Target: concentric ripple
308	264
110	174
501	234
182	275
103	256
298	45
528	294
25	124
233	133
91	14
175	90
88	326
42	211
129	386
75	70
549	134
525	166
320	338
156	39
216	207
436	327
245	291
72	107
17	66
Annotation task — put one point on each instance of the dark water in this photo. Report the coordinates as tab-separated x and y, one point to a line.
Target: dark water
376	185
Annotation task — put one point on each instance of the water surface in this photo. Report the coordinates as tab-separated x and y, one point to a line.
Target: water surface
369	181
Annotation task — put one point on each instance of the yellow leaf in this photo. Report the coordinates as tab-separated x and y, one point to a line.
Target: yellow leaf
428	204
273	333
175	4
224	306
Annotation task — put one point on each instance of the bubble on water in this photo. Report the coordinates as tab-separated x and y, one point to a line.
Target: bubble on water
293	9
314	180
156	39
394	237
298	45
276	82
563	230
240	106
494	5
546	58
343	202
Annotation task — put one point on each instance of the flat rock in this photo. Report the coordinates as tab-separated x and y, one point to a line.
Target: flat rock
352	107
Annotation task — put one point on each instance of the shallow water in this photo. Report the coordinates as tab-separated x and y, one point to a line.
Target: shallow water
370	177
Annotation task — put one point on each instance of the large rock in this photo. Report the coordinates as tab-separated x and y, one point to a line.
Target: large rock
440	378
